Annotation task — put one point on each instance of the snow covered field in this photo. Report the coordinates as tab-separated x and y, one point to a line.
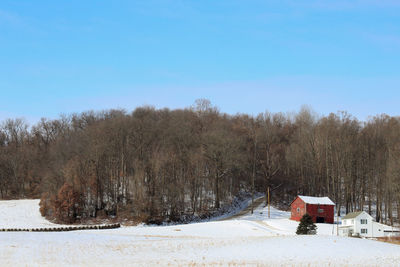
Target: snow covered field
252	240
22	214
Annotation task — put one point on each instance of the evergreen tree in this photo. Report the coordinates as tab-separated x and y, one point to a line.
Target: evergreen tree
306	226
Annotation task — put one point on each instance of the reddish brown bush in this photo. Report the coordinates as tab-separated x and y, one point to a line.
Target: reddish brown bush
44	204
66	204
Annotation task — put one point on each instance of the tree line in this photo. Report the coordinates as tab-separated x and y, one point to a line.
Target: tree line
155	165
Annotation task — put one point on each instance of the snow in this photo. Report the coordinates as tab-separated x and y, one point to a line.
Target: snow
279	221
253	239
317	200
22	214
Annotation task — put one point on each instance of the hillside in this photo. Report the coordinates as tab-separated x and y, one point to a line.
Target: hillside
157	165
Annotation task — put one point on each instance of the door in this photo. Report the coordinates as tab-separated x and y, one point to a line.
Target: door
320	219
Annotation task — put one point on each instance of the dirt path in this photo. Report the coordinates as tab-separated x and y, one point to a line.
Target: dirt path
247	210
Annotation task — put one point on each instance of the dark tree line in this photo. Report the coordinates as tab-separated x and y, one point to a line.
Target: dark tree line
154	165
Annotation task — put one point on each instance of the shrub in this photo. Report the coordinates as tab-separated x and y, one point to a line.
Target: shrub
44	206
306	226
66	203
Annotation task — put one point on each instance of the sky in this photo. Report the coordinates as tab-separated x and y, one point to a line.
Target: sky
249	56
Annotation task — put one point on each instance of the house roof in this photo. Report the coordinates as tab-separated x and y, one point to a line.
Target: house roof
352	215
317	200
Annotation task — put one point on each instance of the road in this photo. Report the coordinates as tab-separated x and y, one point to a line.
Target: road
257	202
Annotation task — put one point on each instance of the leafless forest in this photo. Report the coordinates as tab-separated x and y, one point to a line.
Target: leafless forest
155	165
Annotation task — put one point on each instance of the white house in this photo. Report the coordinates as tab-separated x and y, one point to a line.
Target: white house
361	224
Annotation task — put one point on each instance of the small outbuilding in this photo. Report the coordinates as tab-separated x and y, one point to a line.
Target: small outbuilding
321	209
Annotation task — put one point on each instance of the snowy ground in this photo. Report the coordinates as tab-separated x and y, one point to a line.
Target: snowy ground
22	214
250	240
281	225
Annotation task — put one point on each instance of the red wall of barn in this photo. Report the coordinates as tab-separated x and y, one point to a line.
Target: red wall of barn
297	203
312	210
328	212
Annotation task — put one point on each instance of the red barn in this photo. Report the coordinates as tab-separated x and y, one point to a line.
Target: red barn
321	209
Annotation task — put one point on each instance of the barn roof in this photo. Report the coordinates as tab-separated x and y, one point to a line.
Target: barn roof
317	200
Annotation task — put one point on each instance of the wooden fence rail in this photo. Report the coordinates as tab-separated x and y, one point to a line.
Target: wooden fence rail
62	229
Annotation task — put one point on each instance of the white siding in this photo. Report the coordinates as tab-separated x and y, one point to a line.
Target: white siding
368	226
373	229
356	226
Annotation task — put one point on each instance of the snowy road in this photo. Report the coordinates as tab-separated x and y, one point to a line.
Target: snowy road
246	211
250	240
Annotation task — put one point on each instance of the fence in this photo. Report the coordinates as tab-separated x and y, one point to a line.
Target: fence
62	229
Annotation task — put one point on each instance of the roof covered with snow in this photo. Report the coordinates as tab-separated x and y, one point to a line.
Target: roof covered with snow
352	215
317	200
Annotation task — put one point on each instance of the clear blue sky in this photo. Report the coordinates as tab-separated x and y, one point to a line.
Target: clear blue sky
245	56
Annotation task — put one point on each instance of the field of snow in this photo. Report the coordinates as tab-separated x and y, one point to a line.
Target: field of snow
280	222
252	240
22	214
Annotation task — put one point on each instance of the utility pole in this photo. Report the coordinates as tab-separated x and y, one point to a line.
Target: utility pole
254	169
337	223
269	205
254	172
333	226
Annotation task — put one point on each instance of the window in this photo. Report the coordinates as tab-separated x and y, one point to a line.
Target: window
364	221
320	210
364	231
298	209
352	221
